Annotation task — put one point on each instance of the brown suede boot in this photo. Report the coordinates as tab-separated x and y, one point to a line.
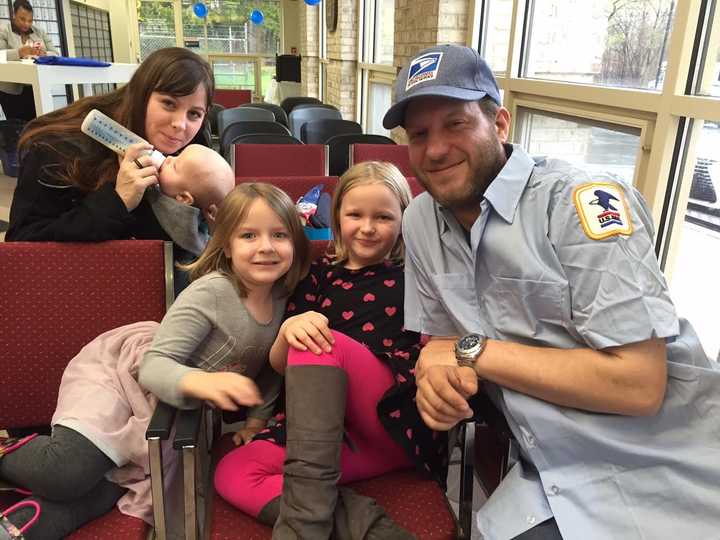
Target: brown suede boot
358	517
315	404
269	513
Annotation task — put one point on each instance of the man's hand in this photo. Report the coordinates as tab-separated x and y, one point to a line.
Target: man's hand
25	51
225	390
443	386
39	49
442	395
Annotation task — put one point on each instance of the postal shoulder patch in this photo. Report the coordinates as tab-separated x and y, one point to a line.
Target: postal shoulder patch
603	210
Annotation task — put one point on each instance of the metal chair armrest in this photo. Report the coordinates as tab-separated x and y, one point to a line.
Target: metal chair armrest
467	473
158	431
190	440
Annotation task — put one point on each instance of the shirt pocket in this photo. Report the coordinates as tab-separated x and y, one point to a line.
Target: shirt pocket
457	294
527	309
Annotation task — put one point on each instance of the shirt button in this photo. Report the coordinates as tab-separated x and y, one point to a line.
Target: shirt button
531	520
531	441
554	490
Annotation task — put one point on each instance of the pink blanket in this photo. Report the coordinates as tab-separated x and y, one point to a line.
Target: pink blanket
101	399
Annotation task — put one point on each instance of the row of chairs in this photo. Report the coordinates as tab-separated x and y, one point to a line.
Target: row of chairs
260	160
312	124
88	289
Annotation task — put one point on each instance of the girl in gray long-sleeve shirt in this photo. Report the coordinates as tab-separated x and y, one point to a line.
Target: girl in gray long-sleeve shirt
212	345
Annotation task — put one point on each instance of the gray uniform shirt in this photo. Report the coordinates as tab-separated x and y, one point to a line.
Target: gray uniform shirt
208	328
531	274
11	42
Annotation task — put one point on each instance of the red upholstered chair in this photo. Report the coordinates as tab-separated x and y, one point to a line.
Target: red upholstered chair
256	160
415	187
416	504
296	186
55	298
397	154
232	98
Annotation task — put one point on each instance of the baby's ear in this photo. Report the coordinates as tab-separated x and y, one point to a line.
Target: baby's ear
185	197
210	214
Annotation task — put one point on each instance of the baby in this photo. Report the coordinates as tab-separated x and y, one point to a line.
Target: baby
192	185
198	177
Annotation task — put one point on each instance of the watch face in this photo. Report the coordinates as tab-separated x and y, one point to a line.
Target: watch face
468	342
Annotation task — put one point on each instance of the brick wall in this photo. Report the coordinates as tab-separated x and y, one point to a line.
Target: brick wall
418	24
424	23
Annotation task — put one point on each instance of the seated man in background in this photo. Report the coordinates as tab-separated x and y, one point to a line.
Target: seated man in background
541	282
21	39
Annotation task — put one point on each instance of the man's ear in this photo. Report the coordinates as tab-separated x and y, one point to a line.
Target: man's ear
185	197
502	124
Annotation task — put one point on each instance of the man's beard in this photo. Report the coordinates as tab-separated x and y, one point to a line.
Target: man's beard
487	168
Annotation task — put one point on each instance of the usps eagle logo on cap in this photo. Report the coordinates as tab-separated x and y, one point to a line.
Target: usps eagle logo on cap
423	68
602	210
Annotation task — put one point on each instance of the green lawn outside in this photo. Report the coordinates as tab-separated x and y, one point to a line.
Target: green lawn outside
245	79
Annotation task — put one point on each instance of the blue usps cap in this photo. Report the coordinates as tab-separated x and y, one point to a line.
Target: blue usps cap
451	71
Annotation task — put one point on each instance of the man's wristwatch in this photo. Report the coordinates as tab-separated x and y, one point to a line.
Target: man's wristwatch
469	348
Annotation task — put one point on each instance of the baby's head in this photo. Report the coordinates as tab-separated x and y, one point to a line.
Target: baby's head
198	176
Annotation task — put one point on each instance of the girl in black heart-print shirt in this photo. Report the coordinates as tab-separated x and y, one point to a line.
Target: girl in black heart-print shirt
349	368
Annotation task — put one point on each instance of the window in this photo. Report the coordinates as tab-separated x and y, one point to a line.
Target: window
379	101
594	146
383	32
495	22
376	70
241	52
156	22
695	270
91	33
228	30
708	80
599	42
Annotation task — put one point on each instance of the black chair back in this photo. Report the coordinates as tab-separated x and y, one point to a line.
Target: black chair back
315	106
339	149
242	114
277	110
247	128
212	117
299	116
291	102
319	131
266	138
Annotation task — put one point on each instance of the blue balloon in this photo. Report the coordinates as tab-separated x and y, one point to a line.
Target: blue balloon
312	2
257	16
200	10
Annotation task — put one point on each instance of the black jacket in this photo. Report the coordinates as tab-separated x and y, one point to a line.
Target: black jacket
44	209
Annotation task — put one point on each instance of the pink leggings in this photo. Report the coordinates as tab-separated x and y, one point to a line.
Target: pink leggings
250	476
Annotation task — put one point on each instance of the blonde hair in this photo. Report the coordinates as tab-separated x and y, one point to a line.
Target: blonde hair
232	212
362	174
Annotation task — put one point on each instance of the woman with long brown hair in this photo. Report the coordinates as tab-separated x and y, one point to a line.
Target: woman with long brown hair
72	188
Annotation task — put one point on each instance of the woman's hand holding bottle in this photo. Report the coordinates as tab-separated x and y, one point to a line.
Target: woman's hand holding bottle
135	175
